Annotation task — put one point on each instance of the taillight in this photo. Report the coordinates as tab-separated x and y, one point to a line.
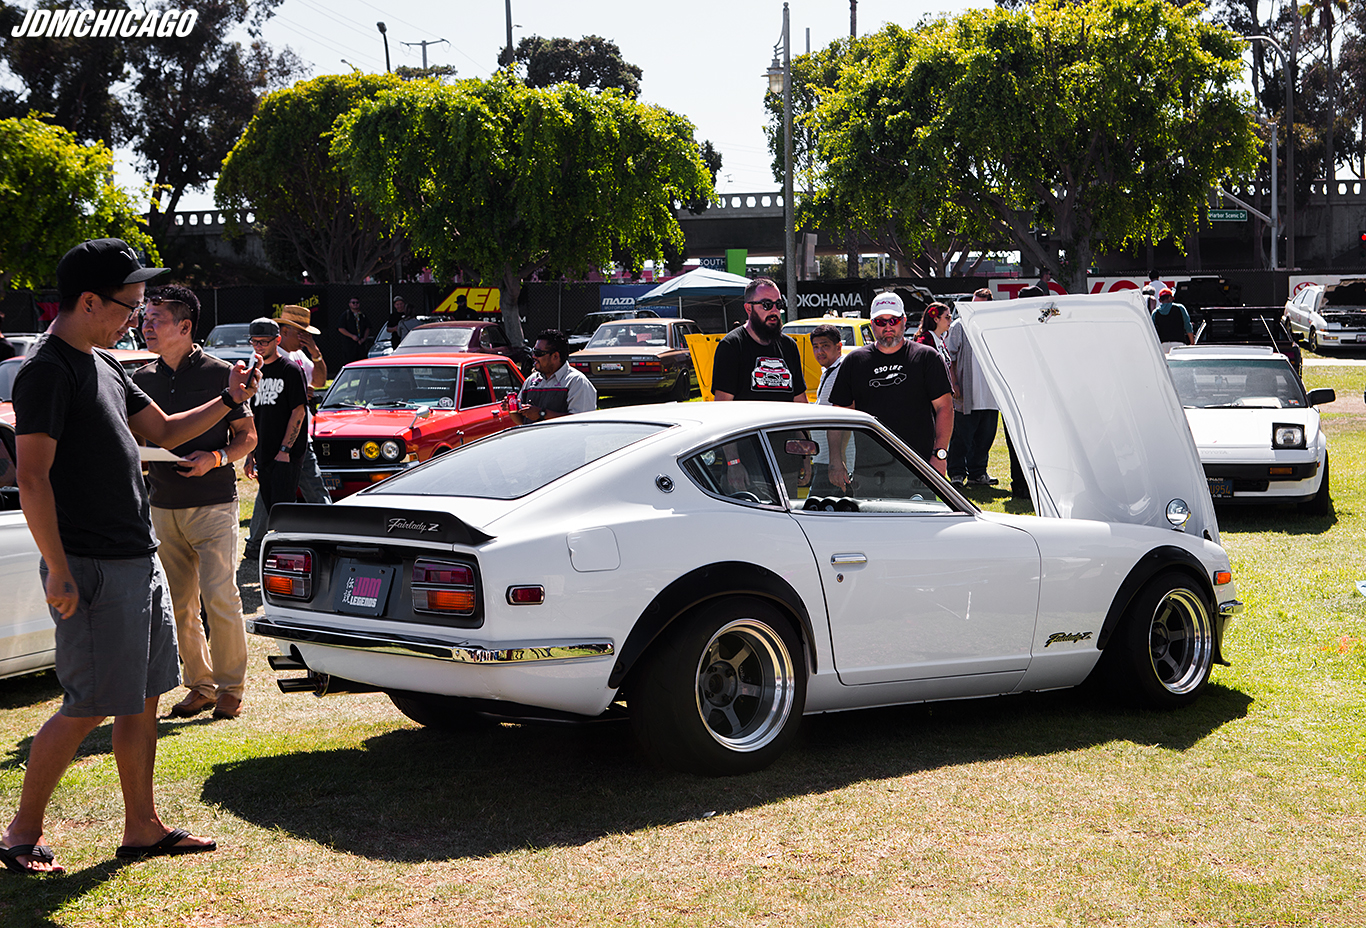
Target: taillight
443	587
580	365
647	367
288	572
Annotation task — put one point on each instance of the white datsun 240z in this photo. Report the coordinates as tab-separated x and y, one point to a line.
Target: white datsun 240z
669	562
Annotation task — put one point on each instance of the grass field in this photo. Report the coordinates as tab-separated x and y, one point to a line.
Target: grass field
1044	809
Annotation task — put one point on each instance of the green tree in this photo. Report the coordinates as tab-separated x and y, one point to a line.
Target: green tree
282	169
54	193
594	63
505	181
1100	122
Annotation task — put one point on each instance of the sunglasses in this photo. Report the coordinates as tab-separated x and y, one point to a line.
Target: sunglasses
886	322
540	352
132	308
768	305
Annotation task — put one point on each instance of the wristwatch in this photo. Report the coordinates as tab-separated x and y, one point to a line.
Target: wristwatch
941	454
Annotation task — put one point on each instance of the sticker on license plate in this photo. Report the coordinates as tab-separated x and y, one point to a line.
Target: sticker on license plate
1220	487
362	589
609	366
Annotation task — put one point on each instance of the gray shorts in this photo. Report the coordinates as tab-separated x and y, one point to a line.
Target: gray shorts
118	649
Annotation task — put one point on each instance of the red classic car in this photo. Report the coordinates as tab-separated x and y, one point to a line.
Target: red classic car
383	415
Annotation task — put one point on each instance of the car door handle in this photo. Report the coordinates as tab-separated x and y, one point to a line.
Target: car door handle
844	560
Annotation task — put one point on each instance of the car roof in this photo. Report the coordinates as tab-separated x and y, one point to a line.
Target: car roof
723	418
455	324
428	359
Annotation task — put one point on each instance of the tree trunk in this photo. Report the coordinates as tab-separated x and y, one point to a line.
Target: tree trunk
511	292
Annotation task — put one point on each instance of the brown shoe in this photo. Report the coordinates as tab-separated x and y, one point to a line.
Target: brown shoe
193	704
227	707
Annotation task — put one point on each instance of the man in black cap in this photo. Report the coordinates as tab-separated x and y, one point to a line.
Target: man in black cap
80	484
280	408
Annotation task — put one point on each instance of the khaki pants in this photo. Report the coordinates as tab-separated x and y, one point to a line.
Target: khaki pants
199	552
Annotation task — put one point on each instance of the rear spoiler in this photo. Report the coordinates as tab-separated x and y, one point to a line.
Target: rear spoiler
372	521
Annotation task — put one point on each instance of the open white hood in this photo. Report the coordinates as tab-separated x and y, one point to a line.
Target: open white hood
1085	393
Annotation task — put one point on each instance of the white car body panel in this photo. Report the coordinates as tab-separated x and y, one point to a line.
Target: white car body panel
1083	387
26	630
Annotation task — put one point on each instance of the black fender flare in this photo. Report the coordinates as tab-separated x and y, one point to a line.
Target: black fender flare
712	581
1149	566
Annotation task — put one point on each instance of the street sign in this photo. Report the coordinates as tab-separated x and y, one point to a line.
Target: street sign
1228	215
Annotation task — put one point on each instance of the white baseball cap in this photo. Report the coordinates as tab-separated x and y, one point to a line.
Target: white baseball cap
887	304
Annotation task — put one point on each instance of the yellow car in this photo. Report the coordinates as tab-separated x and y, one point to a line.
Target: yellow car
855	331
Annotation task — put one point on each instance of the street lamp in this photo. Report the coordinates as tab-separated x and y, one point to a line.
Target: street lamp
1289	149
385	32
779	76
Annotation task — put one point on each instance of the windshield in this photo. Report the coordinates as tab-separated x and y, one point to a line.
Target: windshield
400	385
805	328
455	337
1219	383
630	335
516	462
229	336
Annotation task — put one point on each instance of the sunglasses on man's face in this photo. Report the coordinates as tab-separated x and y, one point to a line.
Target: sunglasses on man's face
540	352
886	322
768	305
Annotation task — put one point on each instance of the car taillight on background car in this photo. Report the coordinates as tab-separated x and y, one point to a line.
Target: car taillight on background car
288	572
443	587
652	366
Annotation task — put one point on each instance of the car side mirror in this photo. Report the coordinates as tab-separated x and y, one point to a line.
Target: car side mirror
1322	395
9	499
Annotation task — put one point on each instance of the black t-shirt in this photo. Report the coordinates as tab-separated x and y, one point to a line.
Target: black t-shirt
898	389
282	390
201	377
84	402
750	371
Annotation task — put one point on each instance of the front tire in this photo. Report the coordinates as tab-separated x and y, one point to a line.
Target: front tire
1165	648
1322	503
1313	340
722	691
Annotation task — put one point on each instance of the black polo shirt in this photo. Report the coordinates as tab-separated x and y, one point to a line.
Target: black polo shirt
200	378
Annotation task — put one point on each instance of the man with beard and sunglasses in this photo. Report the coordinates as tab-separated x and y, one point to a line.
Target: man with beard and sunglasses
757	361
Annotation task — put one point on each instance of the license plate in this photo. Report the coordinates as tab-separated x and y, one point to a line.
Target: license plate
1220	487
362	589
609	366
331	483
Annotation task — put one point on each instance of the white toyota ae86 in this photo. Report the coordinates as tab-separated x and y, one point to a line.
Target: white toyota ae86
670	563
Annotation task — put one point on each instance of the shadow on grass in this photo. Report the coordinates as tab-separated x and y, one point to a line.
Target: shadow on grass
29	690
33	900
1283	518
420	794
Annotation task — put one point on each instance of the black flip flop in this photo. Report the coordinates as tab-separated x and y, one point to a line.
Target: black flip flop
39	852
166	847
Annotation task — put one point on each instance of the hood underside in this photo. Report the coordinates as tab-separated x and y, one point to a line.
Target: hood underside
1085	394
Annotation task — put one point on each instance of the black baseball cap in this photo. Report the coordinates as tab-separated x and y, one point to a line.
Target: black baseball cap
101	264
263	328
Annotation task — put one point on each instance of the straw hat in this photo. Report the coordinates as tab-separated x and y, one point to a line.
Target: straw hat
298	317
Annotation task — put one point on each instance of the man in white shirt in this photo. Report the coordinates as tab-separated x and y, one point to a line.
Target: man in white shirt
828	348
554	388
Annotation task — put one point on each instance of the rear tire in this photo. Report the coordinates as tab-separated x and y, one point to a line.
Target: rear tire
1322	503
1163	652
722	691
438	712
682	389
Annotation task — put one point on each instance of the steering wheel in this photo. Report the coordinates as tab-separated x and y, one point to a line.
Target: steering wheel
746	496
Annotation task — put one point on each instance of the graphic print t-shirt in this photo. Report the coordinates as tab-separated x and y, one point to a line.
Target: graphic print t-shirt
281	391
751	371
898	389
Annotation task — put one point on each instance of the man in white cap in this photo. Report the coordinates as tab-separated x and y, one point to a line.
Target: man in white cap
903	384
